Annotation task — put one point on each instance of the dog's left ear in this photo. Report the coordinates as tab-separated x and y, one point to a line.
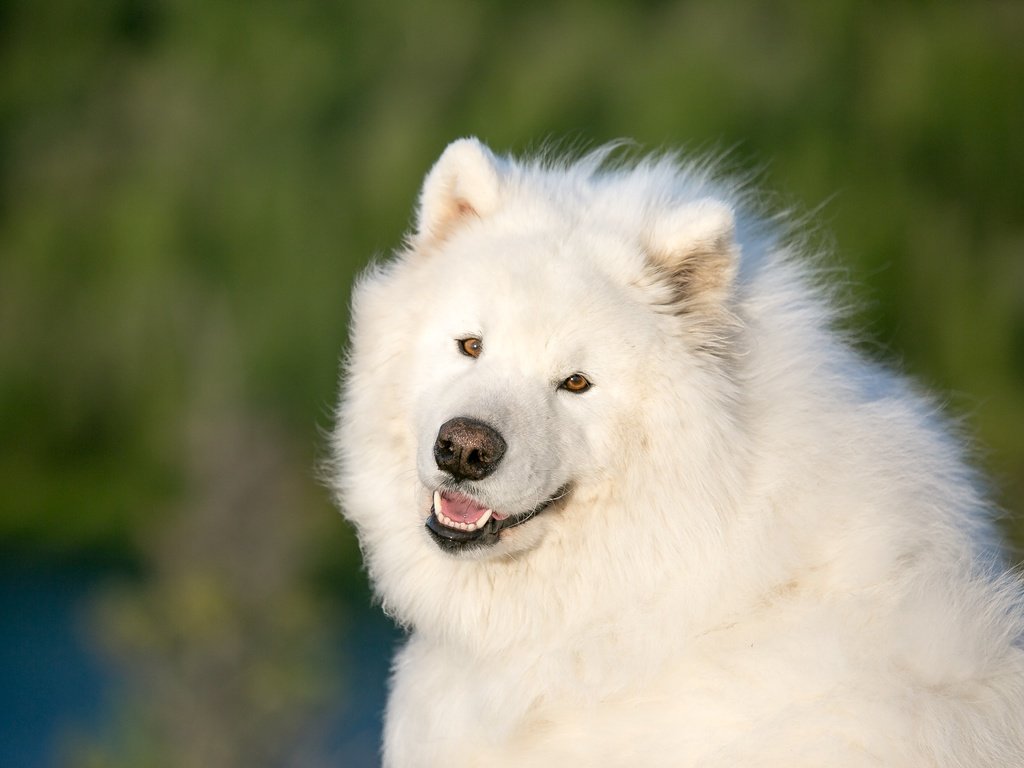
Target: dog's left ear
693	250
463	184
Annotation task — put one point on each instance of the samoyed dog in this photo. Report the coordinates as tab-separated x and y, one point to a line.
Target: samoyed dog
638	503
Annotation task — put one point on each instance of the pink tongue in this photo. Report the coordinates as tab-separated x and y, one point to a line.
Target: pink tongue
460	509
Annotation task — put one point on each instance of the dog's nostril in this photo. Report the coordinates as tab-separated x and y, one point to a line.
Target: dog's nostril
467	448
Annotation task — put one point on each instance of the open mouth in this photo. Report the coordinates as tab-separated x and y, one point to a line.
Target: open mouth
458	522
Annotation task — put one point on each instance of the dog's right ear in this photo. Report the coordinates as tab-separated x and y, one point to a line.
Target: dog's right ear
463	184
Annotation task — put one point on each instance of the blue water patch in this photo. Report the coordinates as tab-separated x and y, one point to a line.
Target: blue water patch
52	682
55	685
368	646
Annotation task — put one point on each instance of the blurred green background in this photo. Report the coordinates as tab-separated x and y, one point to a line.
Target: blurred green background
186	190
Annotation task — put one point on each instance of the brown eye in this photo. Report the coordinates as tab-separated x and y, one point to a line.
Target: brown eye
471	347
576	384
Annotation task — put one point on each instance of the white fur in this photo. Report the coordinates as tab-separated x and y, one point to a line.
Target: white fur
773	553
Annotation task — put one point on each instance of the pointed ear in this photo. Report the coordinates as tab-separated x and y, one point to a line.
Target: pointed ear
464	183
693	249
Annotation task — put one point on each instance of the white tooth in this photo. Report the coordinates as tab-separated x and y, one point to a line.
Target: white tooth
437	503
484	518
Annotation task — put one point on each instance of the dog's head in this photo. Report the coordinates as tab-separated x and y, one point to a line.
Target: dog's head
553	341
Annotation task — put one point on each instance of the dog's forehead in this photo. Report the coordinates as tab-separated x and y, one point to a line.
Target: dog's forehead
551	277
545	306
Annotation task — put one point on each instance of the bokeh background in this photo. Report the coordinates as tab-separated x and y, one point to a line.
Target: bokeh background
188	187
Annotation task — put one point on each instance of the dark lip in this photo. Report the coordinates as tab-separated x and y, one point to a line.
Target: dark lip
454	540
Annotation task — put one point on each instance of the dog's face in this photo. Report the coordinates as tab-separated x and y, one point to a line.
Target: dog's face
523	364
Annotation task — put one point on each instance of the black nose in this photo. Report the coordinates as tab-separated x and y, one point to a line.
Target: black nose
468	449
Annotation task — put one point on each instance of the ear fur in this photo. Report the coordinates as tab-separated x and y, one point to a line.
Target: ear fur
693	249
463	183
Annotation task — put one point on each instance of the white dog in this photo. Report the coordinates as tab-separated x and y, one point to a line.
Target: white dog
639	504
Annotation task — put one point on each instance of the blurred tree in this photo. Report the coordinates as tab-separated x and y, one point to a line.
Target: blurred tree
229	651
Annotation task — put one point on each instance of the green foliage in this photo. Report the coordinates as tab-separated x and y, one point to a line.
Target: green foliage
186	190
